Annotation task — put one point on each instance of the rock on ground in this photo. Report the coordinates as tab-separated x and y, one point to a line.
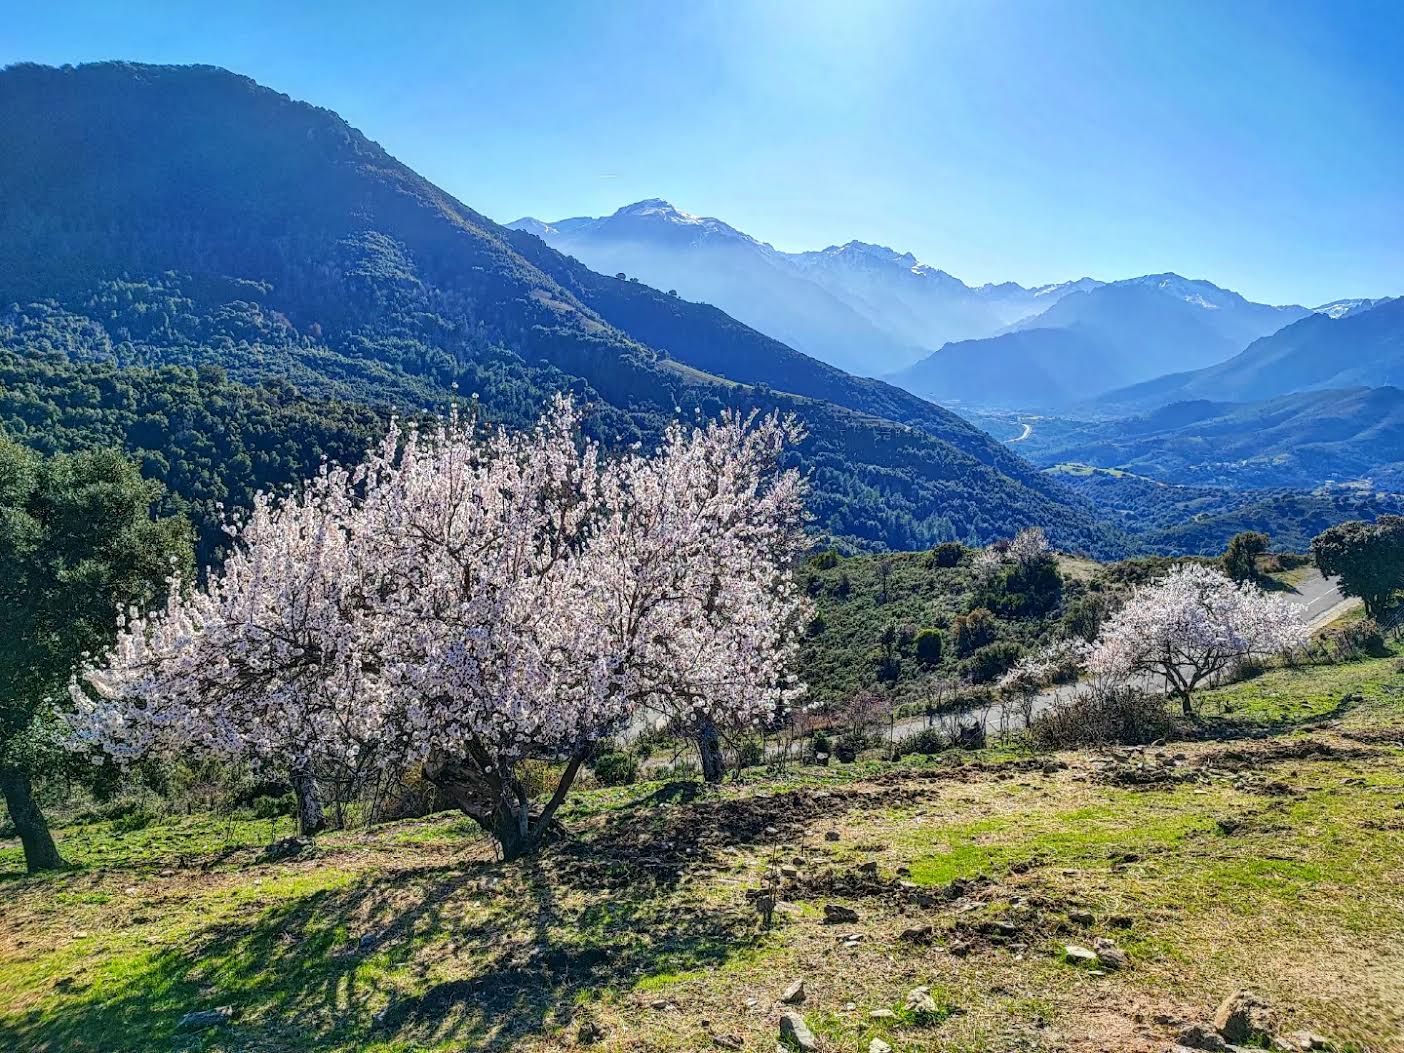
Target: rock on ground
795	1033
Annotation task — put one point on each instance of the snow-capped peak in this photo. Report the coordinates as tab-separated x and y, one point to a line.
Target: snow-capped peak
532	225
1343	308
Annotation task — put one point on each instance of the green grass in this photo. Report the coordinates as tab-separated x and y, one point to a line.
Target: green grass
1298	893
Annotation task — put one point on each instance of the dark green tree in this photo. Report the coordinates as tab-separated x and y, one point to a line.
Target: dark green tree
1240	559
928	647
1368	557
78	542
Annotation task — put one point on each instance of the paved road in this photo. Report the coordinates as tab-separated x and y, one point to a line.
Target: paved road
1321	602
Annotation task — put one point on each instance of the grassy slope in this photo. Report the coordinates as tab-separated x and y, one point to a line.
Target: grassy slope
642	925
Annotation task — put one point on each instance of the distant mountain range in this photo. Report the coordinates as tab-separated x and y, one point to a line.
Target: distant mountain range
874	311
187	217
1347	344
865	308
1095	339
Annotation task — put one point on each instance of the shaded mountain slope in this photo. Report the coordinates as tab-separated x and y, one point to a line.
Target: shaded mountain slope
1360	348
186	215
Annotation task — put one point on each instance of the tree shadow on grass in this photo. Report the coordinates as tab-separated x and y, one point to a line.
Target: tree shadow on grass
477	955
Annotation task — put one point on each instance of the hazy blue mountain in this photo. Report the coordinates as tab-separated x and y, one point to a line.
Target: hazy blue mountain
1093	339
1300	440
1360	347
187	218
862	307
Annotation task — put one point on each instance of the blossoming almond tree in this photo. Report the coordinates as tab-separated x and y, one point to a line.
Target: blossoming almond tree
267	661
473	600
1192	624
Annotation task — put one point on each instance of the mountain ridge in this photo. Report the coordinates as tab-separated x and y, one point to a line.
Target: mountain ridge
198	219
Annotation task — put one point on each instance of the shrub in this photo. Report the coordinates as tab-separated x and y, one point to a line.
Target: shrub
1022	590
750	753
615	769
820	743
991	661
926	743
970	632
826	560
133	821
1103	715
273	807
929	643
948	554
1345	643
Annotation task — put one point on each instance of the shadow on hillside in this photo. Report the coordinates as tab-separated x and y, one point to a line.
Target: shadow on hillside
1226	727
486	953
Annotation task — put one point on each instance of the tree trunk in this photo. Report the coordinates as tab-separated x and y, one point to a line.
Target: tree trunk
499	804
1186	705
310	817
39	851
709	749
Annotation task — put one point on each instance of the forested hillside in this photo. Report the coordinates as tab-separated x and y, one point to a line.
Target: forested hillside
157	216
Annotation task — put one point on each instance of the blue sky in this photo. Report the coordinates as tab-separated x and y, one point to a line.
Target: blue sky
1260	145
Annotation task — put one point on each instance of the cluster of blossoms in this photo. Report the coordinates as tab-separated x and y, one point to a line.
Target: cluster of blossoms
1193	624
469	599
1060	659
1027	547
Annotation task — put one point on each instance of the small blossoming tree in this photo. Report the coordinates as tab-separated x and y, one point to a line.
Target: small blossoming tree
1192	624
472	600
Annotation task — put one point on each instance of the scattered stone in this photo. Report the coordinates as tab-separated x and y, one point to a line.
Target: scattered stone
1243	1017
590	1032
959	948
795	1033
831	835
204	1019
1081	917
918	934
1197	1036
287	848
1302	1042
728	1042
789	873
921	1005
794	994
367	942
837	914
1076	955
882	1014
877	1045
868	869
1109	955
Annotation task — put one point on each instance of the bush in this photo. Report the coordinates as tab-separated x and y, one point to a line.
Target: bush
972	631
1022	590
133	821
1104	715
948	554
615	769
991	661
1361	639
826	560
926	743
820	743
750	753
274	807
929	644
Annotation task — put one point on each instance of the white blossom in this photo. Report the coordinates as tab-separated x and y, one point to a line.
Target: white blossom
1193	624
